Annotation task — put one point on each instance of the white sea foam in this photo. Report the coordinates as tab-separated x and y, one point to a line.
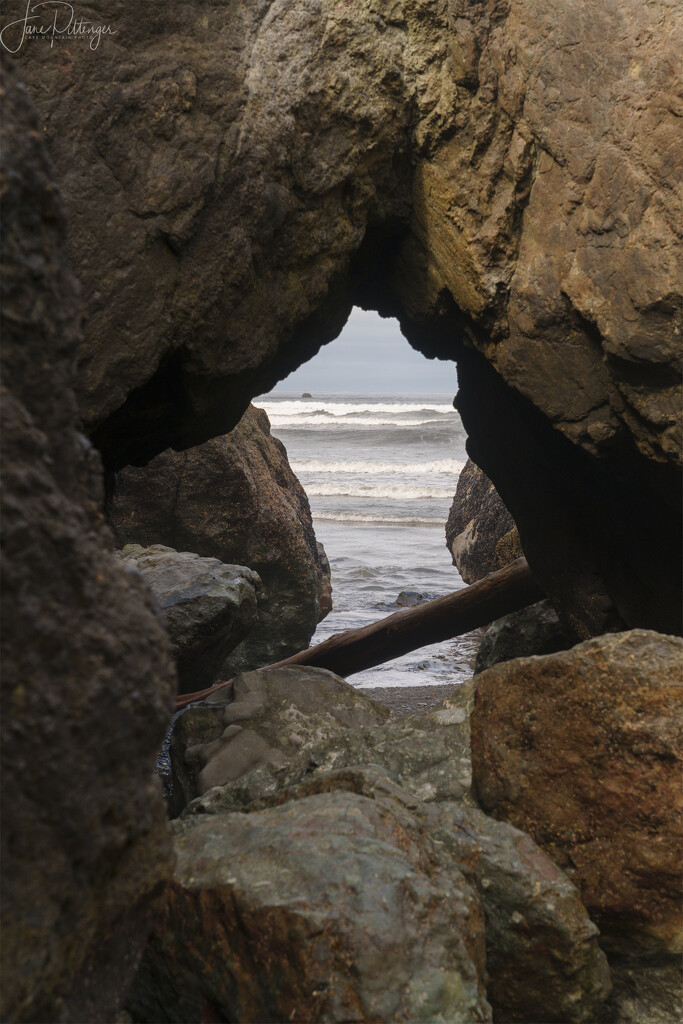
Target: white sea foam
315	420
377	519
306	408
359	490
449	467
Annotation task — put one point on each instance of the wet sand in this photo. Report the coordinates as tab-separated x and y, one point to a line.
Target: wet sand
404	700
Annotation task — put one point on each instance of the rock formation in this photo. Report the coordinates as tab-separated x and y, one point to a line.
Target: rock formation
533	630
87	677
480	533
236	498
500	176
208	607
582	750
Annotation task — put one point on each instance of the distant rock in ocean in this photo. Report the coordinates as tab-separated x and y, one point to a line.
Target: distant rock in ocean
307	394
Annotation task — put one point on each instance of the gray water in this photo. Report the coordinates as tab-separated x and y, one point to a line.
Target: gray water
380	472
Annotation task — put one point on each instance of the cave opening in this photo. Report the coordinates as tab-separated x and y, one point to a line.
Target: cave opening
372	435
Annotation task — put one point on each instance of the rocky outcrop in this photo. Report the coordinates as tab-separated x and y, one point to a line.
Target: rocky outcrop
512	892
288	724
486	172
208	607
533	630
236	499
480	533
346	910
582	750
87	677
260	724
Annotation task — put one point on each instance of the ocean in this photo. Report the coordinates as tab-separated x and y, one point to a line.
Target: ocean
380	472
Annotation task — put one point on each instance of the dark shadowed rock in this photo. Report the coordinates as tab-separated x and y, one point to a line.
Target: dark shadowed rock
261	723
333	907
87	677
533	630
582	750
480	532
644	993
208	607
236	499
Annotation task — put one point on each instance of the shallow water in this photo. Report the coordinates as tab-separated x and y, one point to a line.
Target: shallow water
380	472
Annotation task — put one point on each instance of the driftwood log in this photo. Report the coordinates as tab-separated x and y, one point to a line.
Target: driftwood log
499	593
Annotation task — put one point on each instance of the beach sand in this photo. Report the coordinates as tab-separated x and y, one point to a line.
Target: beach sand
404	700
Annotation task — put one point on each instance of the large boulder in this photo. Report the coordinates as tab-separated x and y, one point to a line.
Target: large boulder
208	607
542	958
502	177
331	908
235	498
480	532
262	721
289	724
87	675
582	750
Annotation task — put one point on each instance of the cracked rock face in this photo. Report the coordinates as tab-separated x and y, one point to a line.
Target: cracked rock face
501	173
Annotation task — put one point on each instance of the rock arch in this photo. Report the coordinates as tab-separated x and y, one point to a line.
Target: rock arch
483	172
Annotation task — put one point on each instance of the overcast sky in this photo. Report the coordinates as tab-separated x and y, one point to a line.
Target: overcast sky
369	356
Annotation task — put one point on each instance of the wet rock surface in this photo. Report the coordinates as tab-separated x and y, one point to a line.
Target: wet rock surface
208	607
235	498
87	676
480	532
455	165
582	750
533	630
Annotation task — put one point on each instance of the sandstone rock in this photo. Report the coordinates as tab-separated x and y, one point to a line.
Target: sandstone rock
262	723
87	677
480	532
499	174
344	908
208	607
236	499
582	750
533	630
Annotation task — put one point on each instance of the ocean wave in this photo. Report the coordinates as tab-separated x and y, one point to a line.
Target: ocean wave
377	519
359	490
445	466
306	408
277	421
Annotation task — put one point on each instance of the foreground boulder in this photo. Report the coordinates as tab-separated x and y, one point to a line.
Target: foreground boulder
236	499
87	676
582	750
208	607
480	532
329	908
542	958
